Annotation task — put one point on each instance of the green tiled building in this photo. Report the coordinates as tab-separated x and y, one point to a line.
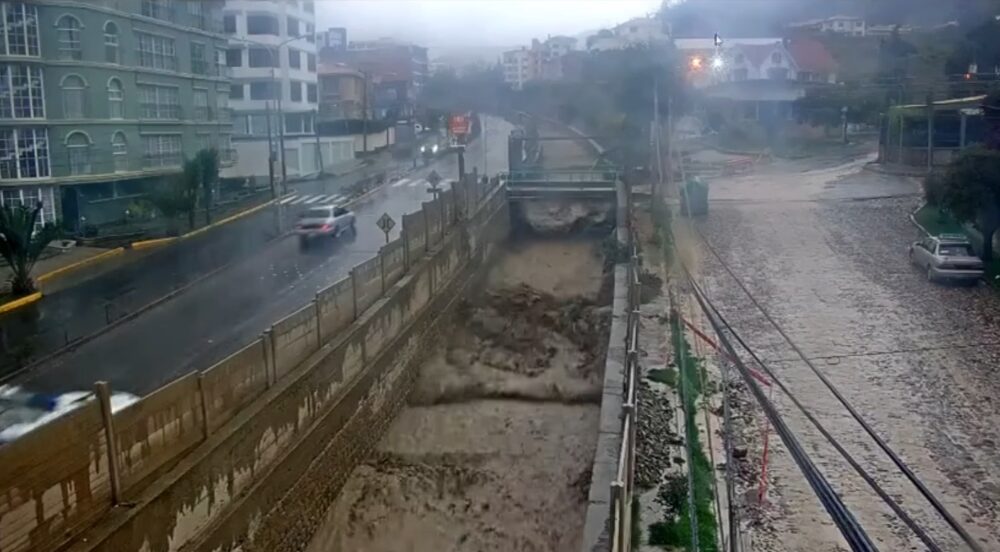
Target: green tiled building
100	99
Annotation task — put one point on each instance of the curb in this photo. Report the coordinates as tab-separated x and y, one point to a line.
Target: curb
913	218
18	303
80	264
226	220
149	244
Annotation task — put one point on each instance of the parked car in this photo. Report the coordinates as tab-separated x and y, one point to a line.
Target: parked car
324	221
947	257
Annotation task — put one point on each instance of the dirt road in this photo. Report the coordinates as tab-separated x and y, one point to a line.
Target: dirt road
824	251
494	450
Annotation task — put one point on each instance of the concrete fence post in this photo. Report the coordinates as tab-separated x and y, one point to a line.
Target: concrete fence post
427	229
404	235
354	294
381	269
616	518
103	392
319	322
203	401
269	367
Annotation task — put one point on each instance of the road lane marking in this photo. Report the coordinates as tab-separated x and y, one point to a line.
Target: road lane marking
336	198
287	199
301	200
401	182
315	199
418	183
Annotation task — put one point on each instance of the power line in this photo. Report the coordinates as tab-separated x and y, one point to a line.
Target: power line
903	467
921	534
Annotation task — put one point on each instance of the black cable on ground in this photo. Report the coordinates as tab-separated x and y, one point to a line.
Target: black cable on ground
849	527
921	534
903	467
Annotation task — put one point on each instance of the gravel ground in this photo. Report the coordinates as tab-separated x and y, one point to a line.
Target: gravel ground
825	252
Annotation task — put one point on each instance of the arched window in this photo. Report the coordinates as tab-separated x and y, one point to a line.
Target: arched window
74	97
78	146
119	151
116	99
69	37
111	43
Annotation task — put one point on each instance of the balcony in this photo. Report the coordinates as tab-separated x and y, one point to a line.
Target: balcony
161	160
199	67
228	157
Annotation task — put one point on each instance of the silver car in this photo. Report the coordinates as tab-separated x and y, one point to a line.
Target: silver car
947	257
323	221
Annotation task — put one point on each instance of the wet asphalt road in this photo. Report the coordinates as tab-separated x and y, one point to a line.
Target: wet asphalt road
825	251
227	310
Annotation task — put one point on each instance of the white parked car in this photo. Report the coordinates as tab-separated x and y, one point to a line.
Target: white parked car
947	257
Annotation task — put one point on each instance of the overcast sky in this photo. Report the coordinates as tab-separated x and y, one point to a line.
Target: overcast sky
474	23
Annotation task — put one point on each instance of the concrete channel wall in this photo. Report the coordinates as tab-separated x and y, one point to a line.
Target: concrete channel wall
202	463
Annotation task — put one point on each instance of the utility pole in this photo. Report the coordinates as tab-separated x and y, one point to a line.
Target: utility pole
930	131
270	149
319	148
281	137
364	116
843	123
658	186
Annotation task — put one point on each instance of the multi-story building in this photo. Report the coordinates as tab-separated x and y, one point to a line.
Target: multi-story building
334	38
398	70
518	67
272	56
543	60
342	93
638	31
100	100
841	24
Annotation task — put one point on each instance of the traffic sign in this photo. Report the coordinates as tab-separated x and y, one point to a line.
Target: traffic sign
386	223
459	124
434	179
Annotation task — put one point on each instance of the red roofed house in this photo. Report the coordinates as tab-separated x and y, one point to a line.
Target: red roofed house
758	79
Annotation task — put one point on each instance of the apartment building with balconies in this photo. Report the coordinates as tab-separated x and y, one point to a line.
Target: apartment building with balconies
100	100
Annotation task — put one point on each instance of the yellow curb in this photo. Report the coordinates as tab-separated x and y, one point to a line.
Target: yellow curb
226	220
80	264
146	244
18	303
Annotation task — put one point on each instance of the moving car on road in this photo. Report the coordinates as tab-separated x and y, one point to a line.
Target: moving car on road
947	257
325	221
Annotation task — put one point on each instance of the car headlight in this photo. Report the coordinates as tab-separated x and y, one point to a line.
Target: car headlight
423	149
435	148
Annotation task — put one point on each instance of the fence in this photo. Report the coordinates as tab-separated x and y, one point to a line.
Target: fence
620	524
63	477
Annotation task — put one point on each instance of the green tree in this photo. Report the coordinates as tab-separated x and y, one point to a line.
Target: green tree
173	199
21	243
970	190
207	161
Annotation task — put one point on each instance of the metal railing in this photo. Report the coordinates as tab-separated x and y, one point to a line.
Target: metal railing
601	178
622	488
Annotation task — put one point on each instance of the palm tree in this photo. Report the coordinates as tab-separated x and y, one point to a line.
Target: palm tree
21	243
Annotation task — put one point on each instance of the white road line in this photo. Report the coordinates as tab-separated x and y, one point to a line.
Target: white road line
400	182
420	182
301	200
315	199
336	199
287	199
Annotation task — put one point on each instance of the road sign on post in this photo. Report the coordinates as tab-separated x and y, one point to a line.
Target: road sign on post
386	224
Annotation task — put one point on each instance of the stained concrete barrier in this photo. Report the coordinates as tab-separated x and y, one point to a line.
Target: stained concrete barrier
294	338
336	307
263	479
233	383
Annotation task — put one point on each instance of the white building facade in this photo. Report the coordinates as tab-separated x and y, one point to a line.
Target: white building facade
518	67
272	56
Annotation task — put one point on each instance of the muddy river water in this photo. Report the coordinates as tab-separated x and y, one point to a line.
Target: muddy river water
493	451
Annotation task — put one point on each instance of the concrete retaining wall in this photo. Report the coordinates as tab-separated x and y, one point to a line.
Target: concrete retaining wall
262	480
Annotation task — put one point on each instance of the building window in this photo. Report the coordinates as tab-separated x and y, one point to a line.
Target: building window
78	148
240	125
777	73
157	52
20	29
298	123
258	124
295	89
294	58
24	153
262	90
222	105
159	9
236	91
261	57
262	25
111	43
116	99
162	150
74	97
293	27
776	57
119	152
199	64
311	93
310	32
234	57
159	102
200	102
311	62
229	24
21	92
69	37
